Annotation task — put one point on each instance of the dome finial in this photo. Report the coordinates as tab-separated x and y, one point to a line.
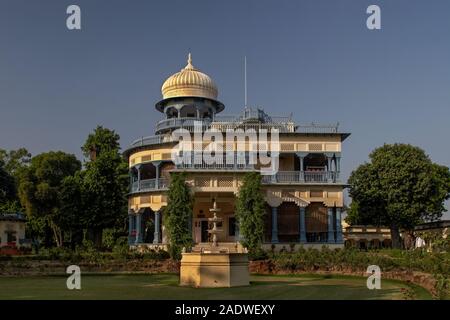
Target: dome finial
189	62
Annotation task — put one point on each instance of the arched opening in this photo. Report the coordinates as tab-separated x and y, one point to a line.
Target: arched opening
362	244
148	225
316	222
148	171
315	167
375	244
171	112
288	222
314	162
188	111
350	243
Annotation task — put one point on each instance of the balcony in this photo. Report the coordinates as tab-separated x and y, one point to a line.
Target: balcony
149	185
214	166
294	177
185	123
151	140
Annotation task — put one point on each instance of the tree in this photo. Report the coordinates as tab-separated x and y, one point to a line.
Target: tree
7	189
11	164
178	214
15	160
72	203
104	183
40	188
400	187
100	141
250	211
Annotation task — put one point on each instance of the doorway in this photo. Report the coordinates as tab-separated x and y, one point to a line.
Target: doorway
204	230
201	227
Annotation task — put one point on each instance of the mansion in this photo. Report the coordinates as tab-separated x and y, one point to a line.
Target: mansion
304	197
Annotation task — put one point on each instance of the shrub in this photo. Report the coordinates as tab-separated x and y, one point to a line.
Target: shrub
257	255
89	253
442	286
121	249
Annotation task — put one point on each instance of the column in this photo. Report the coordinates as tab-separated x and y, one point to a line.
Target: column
138	228
338	167
302	178
138	168
157	164
130	227
274	225
330	226
329	173
301	156
329	158
157	223
339	238
302	225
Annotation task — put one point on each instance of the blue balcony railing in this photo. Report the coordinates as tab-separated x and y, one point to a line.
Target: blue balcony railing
149	185
287	177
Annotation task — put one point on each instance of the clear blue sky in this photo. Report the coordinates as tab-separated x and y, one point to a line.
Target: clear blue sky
315	58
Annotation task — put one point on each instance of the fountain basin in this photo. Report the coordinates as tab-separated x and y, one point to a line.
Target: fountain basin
215	269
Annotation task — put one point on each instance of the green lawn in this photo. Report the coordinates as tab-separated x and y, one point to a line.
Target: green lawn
165	286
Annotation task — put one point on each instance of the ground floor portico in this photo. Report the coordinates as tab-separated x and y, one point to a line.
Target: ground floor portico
287	221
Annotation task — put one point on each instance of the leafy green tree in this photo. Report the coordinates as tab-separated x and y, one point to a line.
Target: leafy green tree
250	212
100	141
400	187
40	188
178	214
104	184
7	189
72	203
15	160
11	163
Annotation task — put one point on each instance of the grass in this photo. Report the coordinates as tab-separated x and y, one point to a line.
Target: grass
165	286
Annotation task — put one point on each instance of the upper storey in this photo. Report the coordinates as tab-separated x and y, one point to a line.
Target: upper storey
190	99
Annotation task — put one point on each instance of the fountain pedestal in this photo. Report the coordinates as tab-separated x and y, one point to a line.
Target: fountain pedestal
215	265
214	269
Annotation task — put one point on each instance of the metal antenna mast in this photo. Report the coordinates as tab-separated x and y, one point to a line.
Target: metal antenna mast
245	81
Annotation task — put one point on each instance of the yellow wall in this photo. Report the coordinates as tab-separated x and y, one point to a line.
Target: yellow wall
298	143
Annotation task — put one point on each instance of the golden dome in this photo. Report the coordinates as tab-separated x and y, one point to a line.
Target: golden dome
189	82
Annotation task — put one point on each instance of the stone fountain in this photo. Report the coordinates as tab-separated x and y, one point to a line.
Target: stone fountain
215	265
214	231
